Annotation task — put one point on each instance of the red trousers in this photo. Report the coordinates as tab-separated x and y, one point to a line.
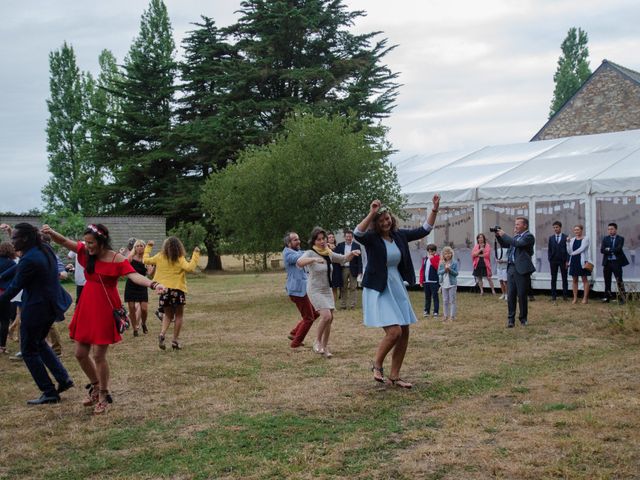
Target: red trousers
308	313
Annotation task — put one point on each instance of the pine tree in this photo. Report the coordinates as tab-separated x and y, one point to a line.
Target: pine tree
66	132
144	168
573	68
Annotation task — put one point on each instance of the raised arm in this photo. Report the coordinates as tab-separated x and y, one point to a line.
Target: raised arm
147	259
191	265
363	226
67	243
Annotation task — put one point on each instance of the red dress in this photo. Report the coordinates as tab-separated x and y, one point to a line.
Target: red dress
93	321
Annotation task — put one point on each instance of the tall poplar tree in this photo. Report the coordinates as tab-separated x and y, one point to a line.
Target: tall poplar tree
67	133
144	168
573	68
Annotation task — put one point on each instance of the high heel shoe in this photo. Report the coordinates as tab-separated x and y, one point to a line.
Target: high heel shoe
176	345
161	342
92	394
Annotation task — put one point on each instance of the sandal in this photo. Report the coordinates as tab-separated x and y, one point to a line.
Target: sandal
375	370
92	394
102	405
161	342
176	345
398	382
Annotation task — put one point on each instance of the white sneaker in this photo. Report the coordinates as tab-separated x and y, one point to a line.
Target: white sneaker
317	348
435	314
425	314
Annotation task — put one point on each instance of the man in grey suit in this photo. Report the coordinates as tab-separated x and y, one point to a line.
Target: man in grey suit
519	268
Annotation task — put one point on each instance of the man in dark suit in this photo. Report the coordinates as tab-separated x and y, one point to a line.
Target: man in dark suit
349	271
613	259
558	259
519	268
37	276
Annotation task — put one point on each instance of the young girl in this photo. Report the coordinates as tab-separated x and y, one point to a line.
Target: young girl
171	267
448	273
501	269
429	280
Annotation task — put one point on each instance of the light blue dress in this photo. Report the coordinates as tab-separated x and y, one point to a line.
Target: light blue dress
391	306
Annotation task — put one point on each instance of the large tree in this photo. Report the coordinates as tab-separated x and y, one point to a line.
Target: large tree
319	171
67	140
573	68
144	168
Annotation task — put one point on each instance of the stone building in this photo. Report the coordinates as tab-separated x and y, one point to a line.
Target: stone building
121	228
608	101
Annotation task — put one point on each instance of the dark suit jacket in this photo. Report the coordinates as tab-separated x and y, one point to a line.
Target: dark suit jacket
7	268
37	276
375	275
557	252
523	246
355	265
605	249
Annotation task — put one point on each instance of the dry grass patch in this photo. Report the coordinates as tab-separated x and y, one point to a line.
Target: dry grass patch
557	399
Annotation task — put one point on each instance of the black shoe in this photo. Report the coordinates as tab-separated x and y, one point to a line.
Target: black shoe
511	324
145	330
63	387
523	323
44	398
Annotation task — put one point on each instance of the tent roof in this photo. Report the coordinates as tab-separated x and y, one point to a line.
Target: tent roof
563	166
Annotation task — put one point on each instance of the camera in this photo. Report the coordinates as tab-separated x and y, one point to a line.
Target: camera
494	229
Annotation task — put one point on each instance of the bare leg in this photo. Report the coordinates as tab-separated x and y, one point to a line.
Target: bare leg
575	289
133	315
102	368
493	290
325	318
391	337
479	283
179	316
585	283
144	310
166	320
86	362
399	351
327	332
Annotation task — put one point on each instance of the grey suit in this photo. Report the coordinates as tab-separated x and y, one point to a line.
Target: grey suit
519	270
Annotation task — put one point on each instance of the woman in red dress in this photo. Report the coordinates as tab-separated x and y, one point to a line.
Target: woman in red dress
93	323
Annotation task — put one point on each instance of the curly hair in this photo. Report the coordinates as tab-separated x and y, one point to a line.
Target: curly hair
7	250
173	249
379	215
444	251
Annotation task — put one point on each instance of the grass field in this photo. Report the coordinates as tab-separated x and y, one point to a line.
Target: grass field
557	399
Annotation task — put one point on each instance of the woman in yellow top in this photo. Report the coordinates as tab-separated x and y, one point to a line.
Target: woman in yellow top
171	267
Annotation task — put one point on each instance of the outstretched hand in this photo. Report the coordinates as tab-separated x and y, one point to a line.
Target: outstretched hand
436	201
375	206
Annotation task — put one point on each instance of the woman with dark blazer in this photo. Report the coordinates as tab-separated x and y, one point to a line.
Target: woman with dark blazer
7	262
385	300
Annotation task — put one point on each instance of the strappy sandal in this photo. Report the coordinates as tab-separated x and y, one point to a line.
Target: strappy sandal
377	378
176	345
92	394
102	405
398	382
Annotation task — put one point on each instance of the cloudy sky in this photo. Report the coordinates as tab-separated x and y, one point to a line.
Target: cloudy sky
473	73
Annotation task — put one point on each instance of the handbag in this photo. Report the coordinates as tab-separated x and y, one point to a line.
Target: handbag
120	315
588	266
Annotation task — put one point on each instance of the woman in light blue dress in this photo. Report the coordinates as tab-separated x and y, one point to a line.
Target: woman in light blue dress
385	300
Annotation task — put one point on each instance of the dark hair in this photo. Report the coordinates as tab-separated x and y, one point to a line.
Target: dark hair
346	230
173	249
101	234
315	233
32	238
614	225
557	223
7	250
525	220
432	247
381	212
580	226
483	237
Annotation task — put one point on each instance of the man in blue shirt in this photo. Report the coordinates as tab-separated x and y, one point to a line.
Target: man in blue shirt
297	289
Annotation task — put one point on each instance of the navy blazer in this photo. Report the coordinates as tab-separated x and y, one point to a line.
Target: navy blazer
617	250
37	276
557	252
375	275
7	268
355	264
523	249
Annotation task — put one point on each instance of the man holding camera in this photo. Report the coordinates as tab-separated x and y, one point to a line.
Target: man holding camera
519	267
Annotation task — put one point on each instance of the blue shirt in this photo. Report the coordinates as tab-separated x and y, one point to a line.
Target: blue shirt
296	277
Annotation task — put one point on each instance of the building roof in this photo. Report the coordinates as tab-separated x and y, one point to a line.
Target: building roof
627	72
601	164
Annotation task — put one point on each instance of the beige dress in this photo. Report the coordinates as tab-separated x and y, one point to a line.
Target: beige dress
318	287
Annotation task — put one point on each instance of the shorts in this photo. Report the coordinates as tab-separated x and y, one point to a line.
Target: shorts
172	298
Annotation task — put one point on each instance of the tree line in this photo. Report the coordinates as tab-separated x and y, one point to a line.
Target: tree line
161	136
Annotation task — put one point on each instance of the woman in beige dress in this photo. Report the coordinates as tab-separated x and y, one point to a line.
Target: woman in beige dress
318	262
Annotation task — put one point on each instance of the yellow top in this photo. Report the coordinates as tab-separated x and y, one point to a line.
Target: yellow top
171	275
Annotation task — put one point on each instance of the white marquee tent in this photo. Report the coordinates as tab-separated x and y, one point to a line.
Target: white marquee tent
590	180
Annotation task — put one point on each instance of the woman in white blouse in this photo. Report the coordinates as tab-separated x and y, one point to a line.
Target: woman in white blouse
318	262
578	248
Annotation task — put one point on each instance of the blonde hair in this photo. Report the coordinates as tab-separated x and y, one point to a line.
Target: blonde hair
139	242
444	251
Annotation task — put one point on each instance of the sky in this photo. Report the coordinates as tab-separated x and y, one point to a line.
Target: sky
473	73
